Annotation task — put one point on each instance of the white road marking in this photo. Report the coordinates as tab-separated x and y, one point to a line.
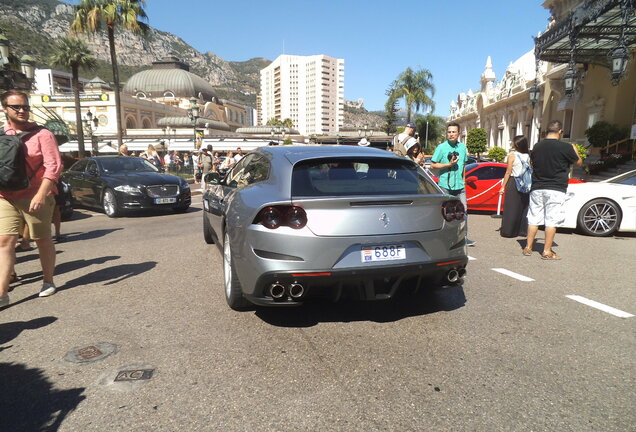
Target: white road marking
517	276
471	258
600	306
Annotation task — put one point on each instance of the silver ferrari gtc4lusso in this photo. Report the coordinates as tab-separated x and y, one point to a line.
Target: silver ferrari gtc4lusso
300	222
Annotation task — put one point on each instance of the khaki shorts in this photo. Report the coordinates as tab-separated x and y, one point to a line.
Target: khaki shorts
546	208
14	214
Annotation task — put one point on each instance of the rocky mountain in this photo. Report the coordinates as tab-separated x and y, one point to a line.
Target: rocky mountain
32	26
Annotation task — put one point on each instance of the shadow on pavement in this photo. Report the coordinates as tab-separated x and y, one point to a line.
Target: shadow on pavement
110	275
69	237
11	330
404	306
28	278
28	401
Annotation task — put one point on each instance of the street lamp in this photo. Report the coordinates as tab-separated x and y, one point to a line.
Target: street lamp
90	124
193	113
620	57
569	79
276	130
428	113
534	94
364	132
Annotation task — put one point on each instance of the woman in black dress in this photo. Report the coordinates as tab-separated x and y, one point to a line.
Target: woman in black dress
515	214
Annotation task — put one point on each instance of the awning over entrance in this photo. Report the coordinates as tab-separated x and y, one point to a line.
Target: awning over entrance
105	147
591	31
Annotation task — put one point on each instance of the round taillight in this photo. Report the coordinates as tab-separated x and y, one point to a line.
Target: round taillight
460	212
296	217
271	217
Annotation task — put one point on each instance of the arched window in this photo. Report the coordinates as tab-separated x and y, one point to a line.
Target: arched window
147	124
168	95
131	123
141	95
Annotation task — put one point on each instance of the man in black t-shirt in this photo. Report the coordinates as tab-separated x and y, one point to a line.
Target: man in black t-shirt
551	160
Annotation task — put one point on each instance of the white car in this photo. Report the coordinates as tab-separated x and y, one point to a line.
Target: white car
601	208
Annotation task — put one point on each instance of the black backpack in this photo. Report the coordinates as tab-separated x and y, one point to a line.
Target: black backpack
13	167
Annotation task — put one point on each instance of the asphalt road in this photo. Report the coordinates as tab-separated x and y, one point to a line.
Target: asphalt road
500	353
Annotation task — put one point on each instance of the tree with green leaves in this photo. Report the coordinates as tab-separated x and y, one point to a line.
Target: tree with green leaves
72	53
288	123
93	15
436	132
391	117
416	88
477	141
497	154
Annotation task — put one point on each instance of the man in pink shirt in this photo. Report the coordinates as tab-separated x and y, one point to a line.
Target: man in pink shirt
34	205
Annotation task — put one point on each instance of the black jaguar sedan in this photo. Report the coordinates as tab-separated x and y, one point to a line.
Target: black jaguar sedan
119	183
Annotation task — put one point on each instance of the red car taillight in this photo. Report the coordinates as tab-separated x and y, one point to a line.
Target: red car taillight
453	210
274	216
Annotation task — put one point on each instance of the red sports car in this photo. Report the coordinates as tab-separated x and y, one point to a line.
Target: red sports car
483	181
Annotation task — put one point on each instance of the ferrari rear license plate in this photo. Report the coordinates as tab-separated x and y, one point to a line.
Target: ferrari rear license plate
165	200
383	253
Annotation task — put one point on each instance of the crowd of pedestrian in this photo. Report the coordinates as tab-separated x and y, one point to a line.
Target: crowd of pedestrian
534	184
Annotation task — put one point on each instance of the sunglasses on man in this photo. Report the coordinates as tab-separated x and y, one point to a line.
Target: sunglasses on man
17	108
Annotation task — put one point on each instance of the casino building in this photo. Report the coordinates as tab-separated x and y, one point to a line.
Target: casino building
582	70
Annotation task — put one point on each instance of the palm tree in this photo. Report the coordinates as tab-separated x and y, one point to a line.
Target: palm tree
72	53
416	88
92	15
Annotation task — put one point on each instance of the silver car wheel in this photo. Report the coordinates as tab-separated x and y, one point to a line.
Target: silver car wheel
233	291
110	204
599	217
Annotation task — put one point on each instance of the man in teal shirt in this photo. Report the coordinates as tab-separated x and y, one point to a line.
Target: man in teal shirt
450	159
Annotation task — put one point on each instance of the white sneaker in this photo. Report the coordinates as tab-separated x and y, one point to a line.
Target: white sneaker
4	300
47	289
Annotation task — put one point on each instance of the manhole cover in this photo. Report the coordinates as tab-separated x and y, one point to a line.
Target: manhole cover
90	353
134	375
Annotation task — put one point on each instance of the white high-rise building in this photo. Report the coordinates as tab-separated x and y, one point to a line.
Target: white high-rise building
307	89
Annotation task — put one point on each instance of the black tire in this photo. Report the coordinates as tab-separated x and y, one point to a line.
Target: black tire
231	284
109	204
599	218
208	236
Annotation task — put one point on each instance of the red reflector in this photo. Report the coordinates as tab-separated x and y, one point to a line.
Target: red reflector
310	274
447	263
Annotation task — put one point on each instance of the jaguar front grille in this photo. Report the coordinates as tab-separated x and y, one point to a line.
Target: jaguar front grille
160	191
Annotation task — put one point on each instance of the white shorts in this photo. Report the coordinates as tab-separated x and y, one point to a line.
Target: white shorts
546	208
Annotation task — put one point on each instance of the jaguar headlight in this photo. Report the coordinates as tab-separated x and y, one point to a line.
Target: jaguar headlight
128	189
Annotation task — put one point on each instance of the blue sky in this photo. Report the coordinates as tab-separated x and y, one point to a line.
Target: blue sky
377	39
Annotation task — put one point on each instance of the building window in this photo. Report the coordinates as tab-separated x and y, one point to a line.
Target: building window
141	95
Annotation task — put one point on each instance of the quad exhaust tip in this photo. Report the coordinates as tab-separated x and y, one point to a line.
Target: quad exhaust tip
452	276
276	291
296	290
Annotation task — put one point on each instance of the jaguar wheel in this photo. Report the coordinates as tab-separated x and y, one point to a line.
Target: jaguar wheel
599	217
109	203
233	292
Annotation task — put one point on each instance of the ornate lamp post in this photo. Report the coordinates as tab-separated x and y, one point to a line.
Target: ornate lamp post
364	132
620	58
90	124
534	93
193	113
428	113
277	130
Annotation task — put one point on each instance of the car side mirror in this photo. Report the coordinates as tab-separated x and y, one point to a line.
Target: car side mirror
212	178
471	179
92	171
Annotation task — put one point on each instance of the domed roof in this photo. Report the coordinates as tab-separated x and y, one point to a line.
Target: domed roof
169	75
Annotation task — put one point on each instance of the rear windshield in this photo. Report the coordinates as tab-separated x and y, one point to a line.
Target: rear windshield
364	176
